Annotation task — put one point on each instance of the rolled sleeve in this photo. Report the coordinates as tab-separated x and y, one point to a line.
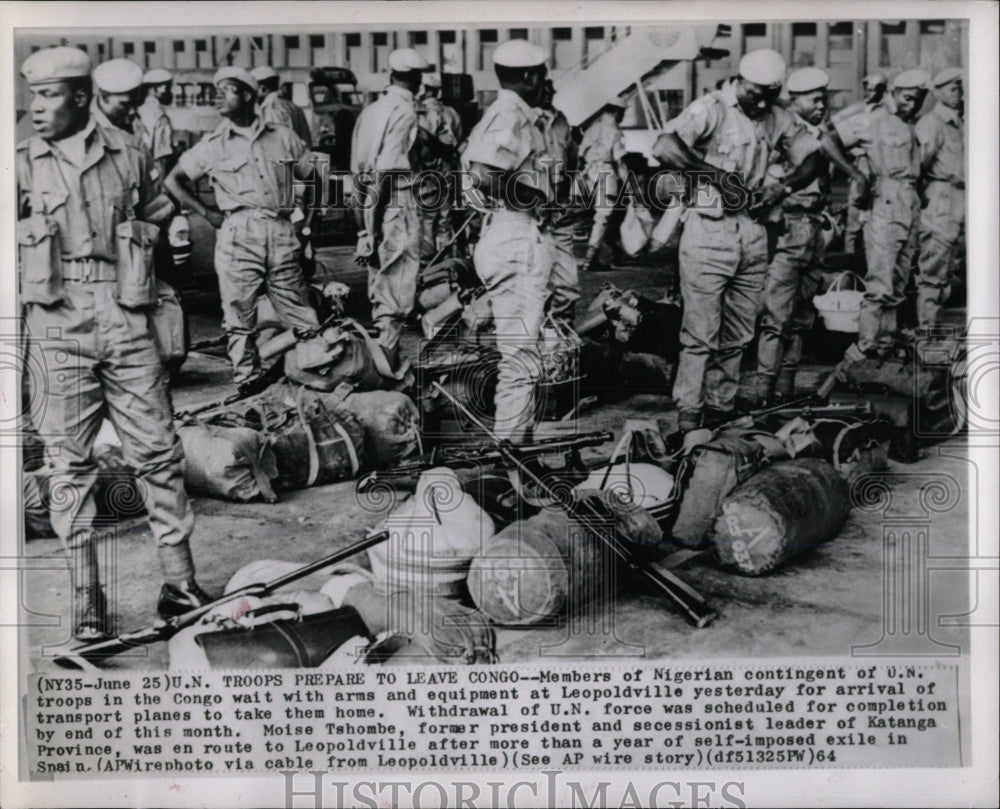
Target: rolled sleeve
852	126
163	135
931	137
502	146
696	123
196	161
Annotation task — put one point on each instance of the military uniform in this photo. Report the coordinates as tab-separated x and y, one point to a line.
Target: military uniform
941	133
565	281
601	152
435	195
85	205
856	217
892	151
514	255
723	253
257	247
156	131
383	135
793	274
274	109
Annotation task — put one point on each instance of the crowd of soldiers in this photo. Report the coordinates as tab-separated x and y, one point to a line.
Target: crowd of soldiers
99	180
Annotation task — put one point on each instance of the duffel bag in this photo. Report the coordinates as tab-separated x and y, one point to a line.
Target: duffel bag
705	476
391	421
230	463
360	362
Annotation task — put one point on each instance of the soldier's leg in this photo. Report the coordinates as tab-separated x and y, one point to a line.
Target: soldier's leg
740	306
513	259
803	316
67	408
392	288
565	280
780	292
939	238
709	256
885	237
240	256
604	190
286	285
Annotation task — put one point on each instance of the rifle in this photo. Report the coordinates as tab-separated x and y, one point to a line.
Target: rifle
852	355
692	605
481	455
84	656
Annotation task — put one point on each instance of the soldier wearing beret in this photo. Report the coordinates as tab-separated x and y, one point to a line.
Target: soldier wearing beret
257	248
874	87
88	201
729	136
442	129
601	154
157	131
942	221
383	172
889	143
277	110
507	157
117	83
793	273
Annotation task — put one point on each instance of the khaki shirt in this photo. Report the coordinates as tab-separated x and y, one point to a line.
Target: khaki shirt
716	128
510	137
277	110
115	182
942	145
157	131
558	144
434	116
247	172
603	143
384	133
888	144
815	196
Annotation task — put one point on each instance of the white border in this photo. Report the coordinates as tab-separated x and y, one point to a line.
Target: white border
973	786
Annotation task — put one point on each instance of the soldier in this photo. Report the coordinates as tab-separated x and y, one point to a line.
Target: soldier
257	247
874	86
507	160
565	280
942	221
443	128
157	131
83	190
116	85
729	136
601	152
274	109
389	240
793	274
890	145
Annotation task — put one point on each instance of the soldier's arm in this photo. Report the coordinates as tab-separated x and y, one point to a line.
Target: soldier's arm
154	204
930	138
833	143
180	185
835	152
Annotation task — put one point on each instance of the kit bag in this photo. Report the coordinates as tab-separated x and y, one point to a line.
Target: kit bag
361	362
166	320
705	476
229	463
391	422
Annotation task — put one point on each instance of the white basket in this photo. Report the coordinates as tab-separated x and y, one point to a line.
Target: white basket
840	306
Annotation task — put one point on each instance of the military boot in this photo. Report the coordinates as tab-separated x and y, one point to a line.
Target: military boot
90	608
180	592
591	261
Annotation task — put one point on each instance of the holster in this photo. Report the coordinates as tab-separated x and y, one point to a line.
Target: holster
283	644
136	276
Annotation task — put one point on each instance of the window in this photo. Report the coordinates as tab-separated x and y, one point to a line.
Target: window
562	34
380	40
128	48
178	45
380	51
931	27
149	47
317	41
593	33
292	43
840	43
418	38
257	43
447	37
82	47
100	50
892	44
487	44
755	36
352	40
803	44
940	43
201	45
518	33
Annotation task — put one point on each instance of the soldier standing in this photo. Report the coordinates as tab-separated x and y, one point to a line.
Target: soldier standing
507	159
84	192
382	170
565	281
444	133
730	136
601	152
277	110
793	274
257	247
942	221
157	131
890	146
874	86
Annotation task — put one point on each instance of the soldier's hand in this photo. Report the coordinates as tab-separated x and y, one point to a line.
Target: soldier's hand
765	199
214	218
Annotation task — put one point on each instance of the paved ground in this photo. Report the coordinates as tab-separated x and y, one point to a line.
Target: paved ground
821	604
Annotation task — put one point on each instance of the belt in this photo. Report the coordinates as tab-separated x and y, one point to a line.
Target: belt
959	184
900	180
814	216
264	213
89	269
